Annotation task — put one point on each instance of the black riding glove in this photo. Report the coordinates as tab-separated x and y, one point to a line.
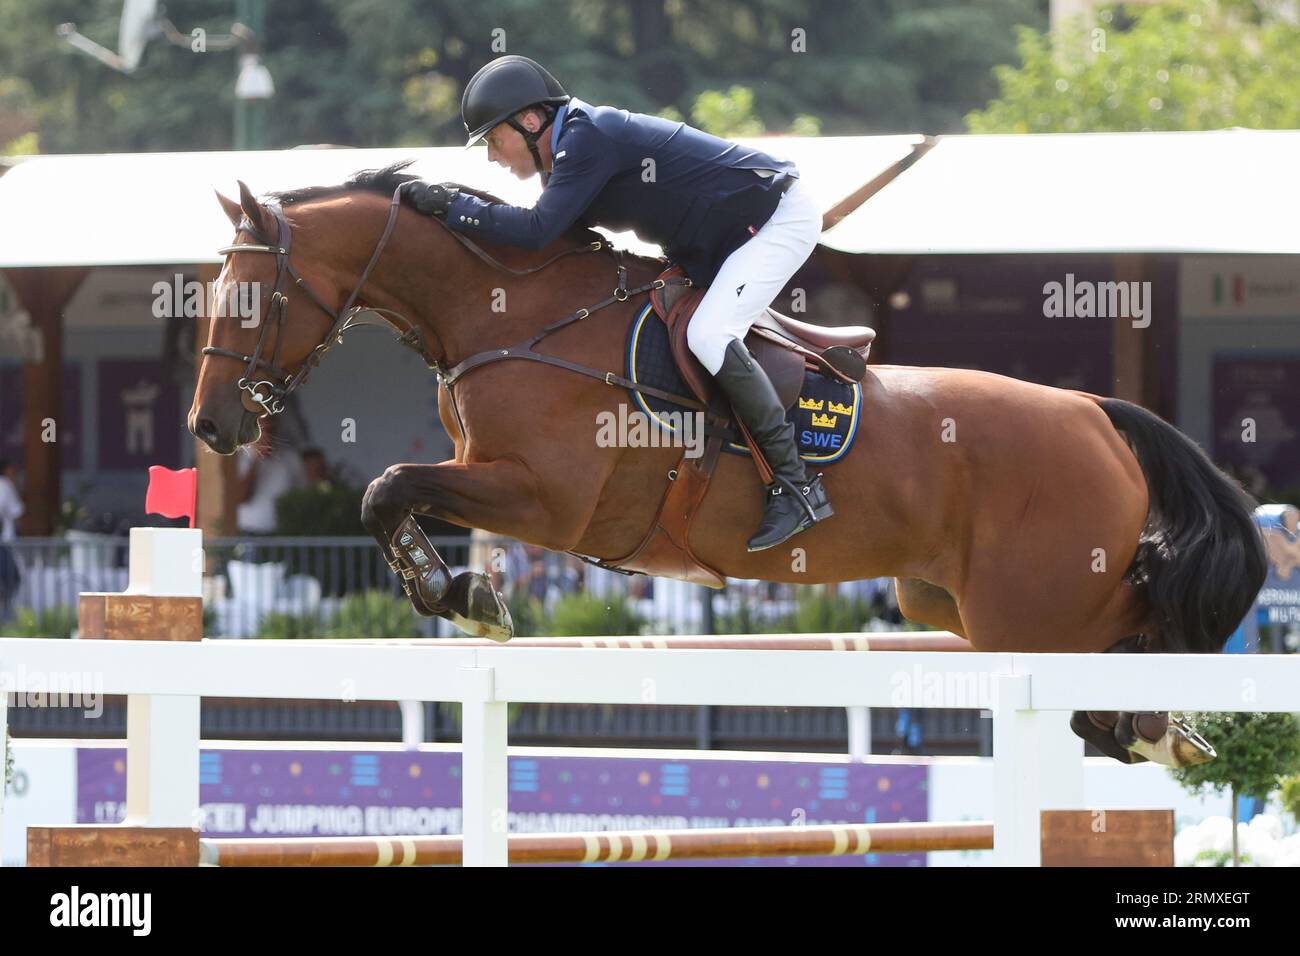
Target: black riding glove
430	199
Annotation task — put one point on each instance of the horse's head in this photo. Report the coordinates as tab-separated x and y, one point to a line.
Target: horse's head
280	303
260	346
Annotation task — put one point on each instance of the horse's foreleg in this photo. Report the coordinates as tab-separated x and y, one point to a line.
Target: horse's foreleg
496	496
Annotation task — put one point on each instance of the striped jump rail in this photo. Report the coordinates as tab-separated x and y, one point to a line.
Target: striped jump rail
918	641
611	847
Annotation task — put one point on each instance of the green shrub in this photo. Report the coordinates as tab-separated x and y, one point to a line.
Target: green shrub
1289	788
373	614
1218	858
580	615
744	621
821	614
287	627
528	616
57	621
331	510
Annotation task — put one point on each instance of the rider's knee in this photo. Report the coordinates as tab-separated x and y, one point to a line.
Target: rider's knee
705	344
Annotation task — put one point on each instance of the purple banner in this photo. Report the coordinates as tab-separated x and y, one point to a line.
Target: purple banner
1265	392
266	793
139	415
68	424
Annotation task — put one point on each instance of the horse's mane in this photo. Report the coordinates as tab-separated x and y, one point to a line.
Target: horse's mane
385	181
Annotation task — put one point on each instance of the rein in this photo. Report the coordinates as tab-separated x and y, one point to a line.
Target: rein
269	394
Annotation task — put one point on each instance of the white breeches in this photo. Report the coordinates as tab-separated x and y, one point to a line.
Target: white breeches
759	269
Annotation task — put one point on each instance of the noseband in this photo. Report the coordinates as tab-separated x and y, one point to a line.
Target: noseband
268	394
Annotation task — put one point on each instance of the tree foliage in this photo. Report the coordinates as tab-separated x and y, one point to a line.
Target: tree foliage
1256	753
1177	65
391	72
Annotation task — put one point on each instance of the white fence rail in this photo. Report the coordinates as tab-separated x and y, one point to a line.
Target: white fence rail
1038	761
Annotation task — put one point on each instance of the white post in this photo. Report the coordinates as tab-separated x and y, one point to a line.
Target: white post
162	732
1037	765
166	562
859	733
1015	796
485	797
162	761
412	723
1059	756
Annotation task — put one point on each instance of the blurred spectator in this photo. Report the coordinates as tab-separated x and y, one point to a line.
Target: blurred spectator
316	469
265	472
532	571
11	503
11	509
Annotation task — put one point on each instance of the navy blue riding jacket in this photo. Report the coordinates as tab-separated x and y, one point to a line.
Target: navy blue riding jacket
695	195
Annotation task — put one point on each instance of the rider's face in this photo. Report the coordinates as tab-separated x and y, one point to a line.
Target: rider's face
507	148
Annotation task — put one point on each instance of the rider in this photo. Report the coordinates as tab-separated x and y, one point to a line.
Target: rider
737	220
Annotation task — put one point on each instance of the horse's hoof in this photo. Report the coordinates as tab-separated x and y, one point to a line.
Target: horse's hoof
1179	746
486	614
1098	729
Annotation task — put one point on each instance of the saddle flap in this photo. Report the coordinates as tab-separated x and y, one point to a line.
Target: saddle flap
676	304
694	373
783	367
676	285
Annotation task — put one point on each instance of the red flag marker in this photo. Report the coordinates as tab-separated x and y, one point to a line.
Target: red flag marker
172	494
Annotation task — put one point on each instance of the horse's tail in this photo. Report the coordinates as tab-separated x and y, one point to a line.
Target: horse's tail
1201	557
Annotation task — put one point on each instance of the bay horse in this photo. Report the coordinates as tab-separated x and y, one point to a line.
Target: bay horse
1022	517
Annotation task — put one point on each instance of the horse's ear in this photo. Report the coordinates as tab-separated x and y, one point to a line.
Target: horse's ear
250	207
231	208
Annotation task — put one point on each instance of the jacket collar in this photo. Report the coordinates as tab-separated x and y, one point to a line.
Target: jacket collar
558	122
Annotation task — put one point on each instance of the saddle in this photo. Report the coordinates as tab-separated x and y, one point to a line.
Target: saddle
785	348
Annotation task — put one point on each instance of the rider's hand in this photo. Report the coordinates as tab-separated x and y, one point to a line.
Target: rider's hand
430	199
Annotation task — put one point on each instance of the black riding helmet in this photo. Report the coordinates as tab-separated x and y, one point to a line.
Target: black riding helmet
500	90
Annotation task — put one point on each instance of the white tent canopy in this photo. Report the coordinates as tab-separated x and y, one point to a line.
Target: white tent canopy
1226	191
123	209
1230	191
126	209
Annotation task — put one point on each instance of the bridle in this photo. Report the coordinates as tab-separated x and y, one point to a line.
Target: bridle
269	394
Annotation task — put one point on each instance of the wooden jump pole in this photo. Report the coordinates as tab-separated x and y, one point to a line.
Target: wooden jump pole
914	641
611	847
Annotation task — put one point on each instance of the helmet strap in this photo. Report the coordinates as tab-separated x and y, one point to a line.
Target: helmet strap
531	139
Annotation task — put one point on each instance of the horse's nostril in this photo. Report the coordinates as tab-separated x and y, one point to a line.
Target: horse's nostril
207	429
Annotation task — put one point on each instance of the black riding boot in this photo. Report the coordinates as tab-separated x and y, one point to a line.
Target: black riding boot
794	501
